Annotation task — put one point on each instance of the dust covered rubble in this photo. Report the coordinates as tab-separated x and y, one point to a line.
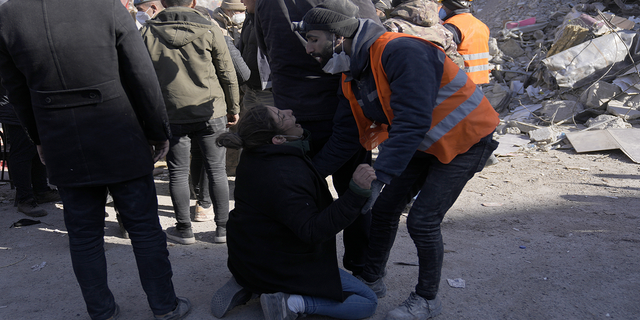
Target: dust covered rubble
562	68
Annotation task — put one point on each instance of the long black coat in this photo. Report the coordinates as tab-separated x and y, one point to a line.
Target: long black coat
281	234
82	84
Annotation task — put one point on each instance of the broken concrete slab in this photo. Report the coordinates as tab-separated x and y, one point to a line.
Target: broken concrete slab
599	91
618	108
627	140
558	110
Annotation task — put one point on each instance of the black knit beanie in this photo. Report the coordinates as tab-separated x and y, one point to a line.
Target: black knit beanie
456	4
335	16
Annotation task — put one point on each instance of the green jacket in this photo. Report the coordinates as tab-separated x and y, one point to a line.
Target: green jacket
193	65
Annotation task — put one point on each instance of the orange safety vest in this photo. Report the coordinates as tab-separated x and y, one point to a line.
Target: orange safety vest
474	46
460	119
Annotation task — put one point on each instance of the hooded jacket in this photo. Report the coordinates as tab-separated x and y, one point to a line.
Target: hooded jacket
193	66
420	18
414	84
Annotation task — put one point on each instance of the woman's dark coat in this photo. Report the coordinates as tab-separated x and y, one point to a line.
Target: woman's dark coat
281	234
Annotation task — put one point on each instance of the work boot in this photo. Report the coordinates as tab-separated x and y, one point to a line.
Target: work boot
275	307
182	236
378	287
416	308
182	309
228	297
203	214
50	195
221	235
31	208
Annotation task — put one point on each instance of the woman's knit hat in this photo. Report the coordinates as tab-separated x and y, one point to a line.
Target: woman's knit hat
335	16
235	5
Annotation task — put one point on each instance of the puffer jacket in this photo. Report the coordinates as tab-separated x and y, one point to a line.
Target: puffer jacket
420	18
193	65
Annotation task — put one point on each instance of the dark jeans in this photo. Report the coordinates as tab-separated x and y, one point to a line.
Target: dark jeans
27	172
199	179
355	236
138	209
439	186
204	134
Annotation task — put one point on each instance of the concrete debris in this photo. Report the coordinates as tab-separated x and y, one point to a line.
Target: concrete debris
561	68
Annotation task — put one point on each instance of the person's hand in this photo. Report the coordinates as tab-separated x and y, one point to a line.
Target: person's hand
363	176
232	119
40	154
160	149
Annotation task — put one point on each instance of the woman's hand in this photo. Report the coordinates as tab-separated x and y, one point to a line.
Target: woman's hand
363	176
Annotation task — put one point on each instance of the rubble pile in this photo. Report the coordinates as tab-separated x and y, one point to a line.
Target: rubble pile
563	69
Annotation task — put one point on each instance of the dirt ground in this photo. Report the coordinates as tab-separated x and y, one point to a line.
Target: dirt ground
540	235
537	236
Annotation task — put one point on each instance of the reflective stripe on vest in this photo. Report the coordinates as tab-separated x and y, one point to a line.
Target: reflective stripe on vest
461	118
474	46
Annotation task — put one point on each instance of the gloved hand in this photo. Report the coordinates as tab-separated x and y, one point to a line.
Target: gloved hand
376	188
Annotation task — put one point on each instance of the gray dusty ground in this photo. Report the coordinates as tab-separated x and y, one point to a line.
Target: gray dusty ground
537	236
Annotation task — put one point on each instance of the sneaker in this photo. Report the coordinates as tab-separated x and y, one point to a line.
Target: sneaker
181	310
221	235
31	208
274	307
378	287
416	308
181	236
228	297
203	214
50	195
115	313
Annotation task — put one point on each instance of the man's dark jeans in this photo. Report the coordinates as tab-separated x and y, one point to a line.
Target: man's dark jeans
28	174
138	208
439	186
204	134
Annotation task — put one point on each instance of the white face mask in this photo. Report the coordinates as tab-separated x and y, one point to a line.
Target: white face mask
339	62
142	16
238	18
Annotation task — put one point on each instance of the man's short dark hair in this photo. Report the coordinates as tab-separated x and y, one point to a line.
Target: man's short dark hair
177	3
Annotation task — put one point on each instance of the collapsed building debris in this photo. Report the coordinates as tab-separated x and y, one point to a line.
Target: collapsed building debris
567	70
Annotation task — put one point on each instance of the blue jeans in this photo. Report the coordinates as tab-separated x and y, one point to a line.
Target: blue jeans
439	186
204	134
362	303
138	208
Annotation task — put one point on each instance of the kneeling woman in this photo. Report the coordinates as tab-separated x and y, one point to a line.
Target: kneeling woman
281	234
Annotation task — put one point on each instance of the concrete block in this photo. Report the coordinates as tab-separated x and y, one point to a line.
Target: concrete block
599	91
545	134
511	48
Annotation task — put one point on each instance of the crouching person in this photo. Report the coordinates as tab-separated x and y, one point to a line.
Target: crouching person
281	234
